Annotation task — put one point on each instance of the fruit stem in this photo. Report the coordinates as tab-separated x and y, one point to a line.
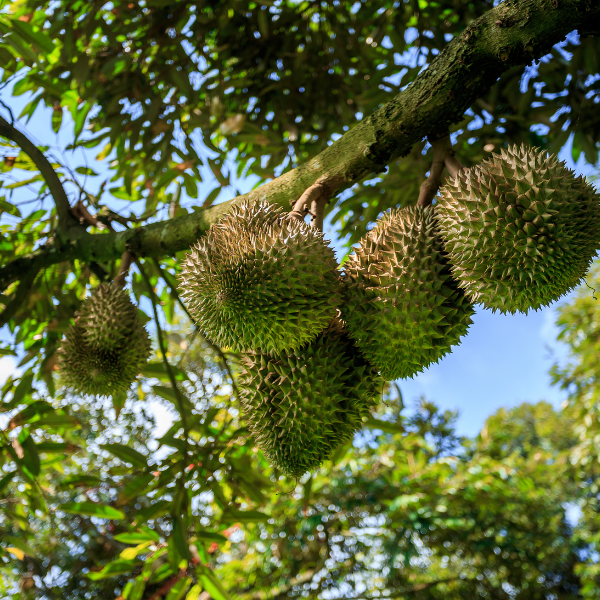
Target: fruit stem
312	202
443	156
126	259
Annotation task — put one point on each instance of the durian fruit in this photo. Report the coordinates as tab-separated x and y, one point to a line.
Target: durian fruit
108	318
520	229
302	405
259	280
89	367
403	309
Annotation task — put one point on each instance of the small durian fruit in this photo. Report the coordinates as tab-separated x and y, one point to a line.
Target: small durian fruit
109	318
86	370
403	309
302	405
520	229
259	280
89	367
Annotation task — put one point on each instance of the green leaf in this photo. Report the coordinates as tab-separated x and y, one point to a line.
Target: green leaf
212	585
88	481
194	593
385	426
127	454
86	171
92	509
191	185
179	589
57	117
22	389
131	553
33	36
158	370
244	516
179	538
169	394
31	457
6	480
138	537
209	536
117	567
158	509
20	544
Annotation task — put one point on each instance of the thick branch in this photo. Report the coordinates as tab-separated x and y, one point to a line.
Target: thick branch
65	219
438	98
430	187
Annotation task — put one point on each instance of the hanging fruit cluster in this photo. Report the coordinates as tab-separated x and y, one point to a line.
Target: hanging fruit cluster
104	350
512	234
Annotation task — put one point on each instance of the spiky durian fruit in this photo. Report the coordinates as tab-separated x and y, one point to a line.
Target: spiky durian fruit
520	229
108	318
403	309
304	404
86	364
262	281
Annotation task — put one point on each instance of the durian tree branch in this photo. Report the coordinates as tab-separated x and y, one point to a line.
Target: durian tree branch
126	260
63	208
514	33
429	188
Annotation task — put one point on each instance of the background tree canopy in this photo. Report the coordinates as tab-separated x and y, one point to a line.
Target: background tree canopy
185	105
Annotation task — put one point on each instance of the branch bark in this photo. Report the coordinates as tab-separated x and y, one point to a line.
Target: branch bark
63	209
513	33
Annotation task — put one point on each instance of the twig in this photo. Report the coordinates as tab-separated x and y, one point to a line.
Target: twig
430	187
163	350
303	205
83	215
126	260
65	219
443	156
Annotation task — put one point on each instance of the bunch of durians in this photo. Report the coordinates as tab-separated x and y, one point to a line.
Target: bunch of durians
317	342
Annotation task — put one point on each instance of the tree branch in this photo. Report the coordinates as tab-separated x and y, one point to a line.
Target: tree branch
65	218
461	73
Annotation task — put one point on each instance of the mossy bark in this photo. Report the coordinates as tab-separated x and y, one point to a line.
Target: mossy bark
514	33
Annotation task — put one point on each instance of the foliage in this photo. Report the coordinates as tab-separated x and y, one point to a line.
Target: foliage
180	100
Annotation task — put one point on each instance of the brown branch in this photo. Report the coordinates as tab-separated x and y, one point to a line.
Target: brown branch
303	205
430	187
126	260
443	156
65	219
460	74
452	164
83	215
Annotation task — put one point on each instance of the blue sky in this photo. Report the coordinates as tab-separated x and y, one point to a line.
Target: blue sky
503	361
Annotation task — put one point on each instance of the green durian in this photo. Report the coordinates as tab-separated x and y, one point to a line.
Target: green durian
302	405
403	309
259	280
86	370
109	318
520	229
87	362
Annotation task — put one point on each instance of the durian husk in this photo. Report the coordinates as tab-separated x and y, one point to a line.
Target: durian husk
403	309
302	405
90	367
520	229
259	280
108	318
